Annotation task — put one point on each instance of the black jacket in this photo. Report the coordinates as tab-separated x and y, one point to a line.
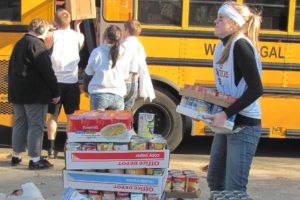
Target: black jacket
31	78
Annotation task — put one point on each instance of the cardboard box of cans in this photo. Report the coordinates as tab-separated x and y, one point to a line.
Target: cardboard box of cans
208	95
139	152
154	184
117	159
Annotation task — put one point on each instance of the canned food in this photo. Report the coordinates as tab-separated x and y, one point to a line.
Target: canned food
73	146
89	147
146	125
157	143
192	183
138	143
135	171
121	147
105	146
178	182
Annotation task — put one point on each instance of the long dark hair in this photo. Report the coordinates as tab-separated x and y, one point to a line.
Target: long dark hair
113	34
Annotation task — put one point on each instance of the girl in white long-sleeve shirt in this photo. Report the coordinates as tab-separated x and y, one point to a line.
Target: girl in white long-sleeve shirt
108	69
138	71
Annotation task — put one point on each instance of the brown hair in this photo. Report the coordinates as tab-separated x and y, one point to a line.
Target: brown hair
113	35
62	18
133	26
250	28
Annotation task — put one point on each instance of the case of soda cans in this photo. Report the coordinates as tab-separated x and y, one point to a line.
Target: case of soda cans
134	168
197	102
208	95
226	194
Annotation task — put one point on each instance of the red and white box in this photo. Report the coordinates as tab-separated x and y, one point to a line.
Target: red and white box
117	159
151	184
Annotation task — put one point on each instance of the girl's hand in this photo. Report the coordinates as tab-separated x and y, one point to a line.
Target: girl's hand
218	119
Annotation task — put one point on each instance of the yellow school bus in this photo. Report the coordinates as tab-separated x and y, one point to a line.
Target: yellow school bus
178	36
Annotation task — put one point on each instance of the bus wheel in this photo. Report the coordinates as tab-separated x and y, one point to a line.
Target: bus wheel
168	122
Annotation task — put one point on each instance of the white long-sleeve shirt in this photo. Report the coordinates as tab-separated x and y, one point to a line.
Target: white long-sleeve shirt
105	78
138	67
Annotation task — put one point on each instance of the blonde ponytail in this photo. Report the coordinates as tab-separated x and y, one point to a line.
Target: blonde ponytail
253	28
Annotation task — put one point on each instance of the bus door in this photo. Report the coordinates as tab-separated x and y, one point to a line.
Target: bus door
114	12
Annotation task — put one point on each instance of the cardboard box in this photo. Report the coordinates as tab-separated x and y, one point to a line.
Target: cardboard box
117	159
98	137
81	9
115	182
228	126
190	195
206	97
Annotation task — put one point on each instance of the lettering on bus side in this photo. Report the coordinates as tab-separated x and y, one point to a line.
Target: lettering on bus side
209	48
265	51
271	52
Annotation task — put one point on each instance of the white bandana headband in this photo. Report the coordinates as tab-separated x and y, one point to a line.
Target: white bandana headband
232	13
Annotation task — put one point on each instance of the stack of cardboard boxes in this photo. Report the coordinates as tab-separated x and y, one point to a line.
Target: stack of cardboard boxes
103	161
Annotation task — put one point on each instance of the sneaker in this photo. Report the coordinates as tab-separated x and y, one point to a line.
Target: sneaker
52	153
15	161
41	164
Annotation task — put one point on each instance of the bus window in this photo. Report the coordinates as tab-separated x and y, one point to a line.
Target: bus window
203	13
297	16
274	13
118	10
10	10
160	12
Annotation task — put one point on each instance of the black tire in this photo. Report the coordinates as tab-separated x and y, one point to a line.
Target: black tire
168	122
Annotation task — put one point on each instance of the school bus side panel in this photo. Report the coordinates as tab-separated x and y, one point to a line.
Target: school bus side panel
10	33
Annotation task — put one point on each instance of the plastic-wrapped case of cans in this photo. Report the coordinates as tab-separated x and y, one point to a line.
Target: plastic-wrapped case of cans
232	195
94	121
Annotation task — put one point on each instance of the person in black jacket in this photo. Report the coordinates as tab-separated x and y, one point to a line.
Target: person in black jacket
32	85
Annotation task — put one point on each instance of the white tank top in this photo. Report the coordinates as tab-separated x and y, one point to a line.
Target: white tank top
225	80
